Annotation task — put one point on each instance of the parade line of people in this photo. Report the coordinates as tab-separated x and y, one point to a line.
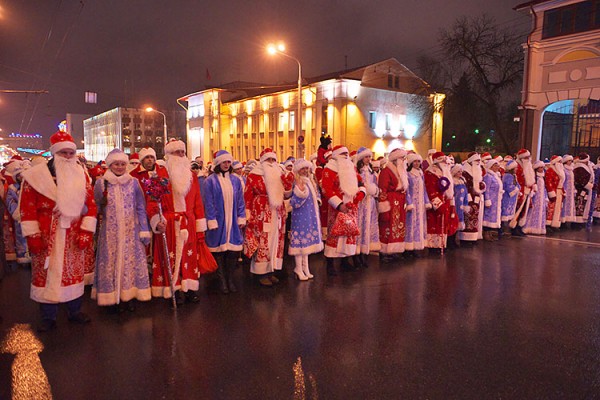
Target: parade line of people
135	227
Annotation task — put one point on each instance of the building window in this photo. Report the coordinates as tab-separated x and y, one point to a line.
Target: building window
574	18
397	82
390	80
292	121
324	119
372	119
388	122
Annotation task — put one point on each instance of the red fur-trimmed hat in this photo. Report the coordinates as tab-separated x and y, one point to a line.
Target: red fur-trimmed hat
60	141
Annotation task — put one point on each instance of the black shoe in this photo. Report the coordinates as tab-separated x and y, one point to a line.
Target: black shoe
347	266
46	325
179	298
192	297
79	318
130	306
330	268
386	259
222	281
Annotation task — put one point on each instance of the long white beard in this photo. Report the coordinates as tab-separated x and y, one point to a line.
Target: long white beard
528	172
70	183
447	171
401	173
560	171
179	174
348	179
273	183
475	171
568	167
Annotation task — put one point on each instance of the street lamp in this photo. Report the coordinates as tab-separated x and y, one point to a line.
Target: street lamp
150	109
280	49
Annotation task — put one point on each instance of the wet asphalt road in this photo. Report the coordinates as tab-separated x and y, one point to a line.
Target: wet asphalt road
515	319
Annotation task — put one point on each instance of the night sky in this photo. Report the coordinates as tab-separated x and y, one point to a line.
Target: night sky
136	53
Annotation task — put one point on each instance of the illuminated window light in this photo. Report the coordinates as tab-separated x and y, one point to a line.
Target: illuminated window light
353	89
379	148
410	131
285	100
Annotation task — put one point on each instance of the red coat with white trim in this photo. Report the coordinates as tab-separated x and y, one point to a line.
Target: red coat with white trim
183	227
62	280
332	193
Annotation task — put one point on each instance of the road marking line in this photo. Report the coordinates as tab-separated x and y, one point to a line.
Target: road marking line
592	244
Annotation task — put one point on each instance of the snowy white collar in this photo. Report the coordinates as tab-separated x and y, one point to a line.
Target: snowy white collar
114	180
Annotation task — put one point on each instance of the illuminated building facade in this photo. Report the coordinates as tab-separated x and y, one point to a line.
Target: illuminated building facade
380	106
560	106
26	141
129	129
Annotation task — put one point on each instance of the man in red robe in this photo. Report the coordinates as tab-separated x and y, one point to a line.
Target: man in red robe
343	190
184	224
58	218
393	185
583	175
442	220
473	176
265	191
555	180
526	179
323	208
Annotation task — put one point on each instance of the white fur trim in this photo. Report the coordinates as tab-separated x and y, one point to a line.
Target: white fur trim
145	152
303	194
212	224
339	151
335	202
55	148
201	225
29	228
88	224
384	206
112	157
265	156
174	146
223	157
155	220
184	234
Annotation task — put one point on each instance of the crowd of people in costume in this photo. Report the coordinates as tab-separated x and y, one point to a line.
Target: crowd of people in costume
135	227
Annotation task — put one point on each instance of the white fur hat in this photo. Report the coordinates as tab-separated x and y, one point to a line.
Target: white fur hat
412	157
147	151
174	145
301	163
116	155
396	154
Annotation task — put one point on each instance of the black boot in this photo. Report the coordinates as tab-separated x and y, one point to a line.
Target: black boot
222	281
229	268
330	268
346	266
357	261
364	261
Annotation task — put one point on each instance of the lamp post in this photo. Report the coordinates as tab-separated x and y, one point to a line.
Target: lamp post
150	109
280	49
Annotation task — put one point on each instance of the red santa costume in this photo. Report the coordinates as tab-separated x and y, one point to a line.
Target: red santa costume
393	185
583	175
58	218
341	188
183	213
442	220
324	207
527	180
473	177
555	180
266	187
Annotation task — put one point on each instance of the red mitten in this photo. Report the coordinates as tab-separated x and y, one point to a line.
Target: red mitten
35	243
199	238
359	196
85	239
